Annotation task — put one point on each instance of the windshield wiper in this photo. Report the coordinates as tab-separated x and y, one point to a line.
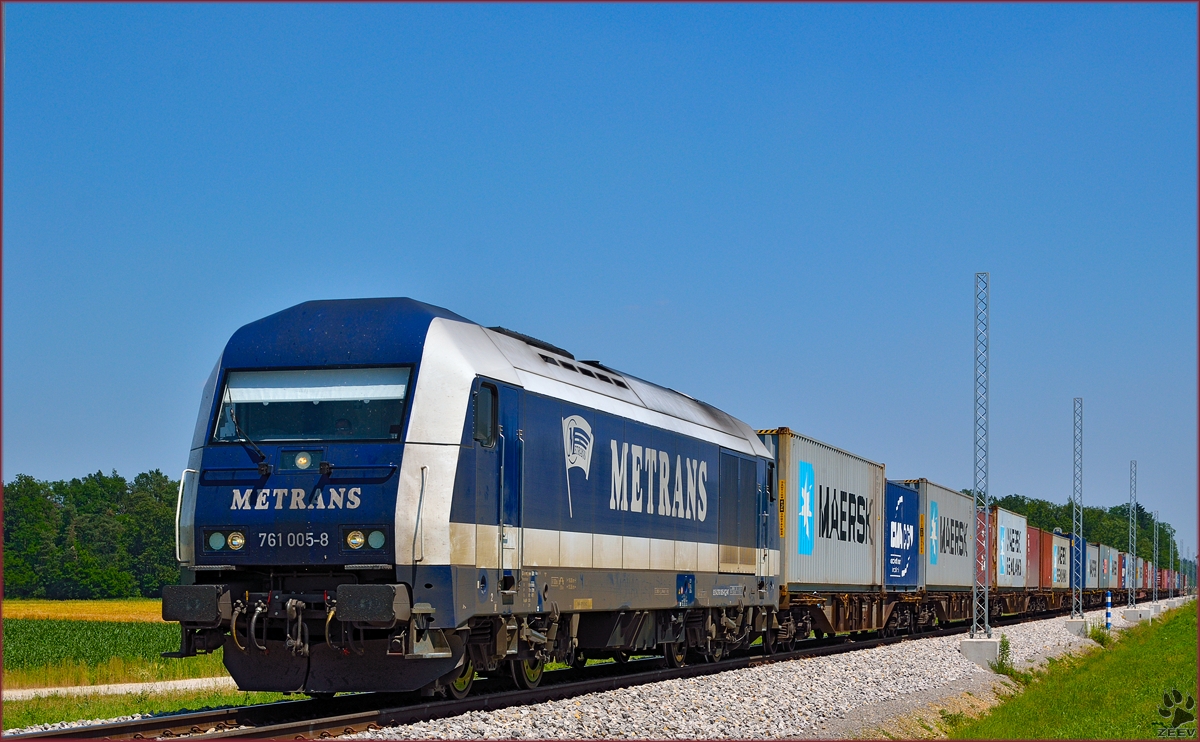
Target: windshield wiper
264	468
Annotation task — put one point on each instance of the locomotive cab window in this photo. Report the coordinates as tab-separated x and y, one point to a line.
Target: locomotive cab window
317	404
485	415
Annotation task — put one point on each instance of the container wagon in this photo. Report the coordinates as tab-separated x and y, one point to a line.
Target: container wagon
830	527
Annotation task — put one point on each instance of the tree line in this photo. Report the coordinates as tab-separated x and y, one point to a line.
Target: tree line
101	536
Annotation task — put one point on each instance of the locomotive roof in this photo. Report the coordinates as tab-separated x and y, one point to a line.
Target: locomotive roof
393	330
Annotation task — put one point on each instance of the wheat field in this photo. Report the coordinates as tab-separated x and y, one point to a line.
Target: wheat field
123	610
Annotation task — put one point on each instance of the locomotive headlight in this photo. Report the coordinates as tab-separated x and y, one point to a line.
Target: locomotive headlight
216	541
355	540
236	540
303	460
375	540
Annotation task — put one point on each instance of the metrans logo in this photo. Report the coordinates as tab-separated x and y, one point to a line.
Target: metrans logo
294	499
804	535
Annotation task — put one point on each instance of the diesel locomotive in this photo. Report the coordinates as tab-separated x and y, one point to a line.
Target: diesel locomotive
383	495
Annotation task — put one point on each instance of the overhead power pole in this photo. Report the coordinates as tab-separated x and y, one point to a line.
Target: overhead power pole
1078	542
1131	567
1154	568
979	590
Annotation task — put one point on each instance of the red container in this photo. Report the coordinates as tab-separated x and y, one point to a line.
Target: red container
979	558
1033	554
1046	559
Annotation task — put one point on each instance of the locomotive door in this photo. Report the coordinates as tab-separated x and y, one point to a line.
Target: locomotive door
511	458
762	544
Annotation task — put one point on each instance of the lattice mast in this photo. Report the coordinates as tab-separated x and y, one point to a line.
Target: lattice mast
1078	542
1154	568
983	577
1131	567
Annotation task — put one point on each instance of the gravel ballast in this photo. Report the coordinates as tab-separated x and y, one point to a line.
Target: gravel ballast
810	697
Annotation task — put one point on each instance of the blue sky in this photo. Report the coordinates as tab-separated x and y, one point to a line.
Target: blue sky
778	209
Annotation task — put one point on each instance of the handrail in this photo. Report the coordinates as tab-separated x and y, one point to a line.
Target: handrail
179	510
419	529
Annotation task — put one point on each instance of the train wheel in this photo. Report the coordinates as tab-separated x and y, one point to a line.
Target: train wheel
676	654
716	652
461	685
769	643
620	657
578	661
527	673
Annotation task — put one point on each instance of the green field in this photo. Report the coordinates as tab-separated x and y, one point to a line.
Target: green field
1112	693
53	653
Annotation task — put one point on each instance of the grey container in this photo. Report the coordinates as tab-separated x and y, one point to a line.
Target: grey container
1108	567
1060	556
1092	580
831	506
949	536
1010	543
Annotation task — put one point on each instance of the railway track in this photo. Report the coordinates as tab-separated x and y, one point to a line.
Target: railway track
332	717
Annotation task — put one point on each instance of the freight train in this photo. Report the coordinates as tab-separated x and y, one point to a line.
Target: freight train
384	496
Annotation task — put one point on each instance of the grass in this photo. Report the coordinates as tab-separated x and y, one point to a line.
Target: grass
1100	635
19	714
55	653
131	609
1004	666
1101	694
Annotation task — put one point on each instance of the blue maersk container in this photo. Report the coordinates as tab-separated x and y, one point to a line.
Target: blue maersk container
902	536
1078	557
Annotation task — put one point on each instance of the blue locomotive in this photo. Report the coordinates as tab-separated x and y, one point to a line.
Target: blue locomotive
383	495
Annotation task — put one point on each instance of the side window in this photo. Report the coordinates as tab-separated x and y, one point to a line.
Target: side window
485	415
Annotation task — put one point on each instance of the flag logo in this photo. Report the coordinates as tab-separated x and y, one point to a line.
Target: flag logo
577	450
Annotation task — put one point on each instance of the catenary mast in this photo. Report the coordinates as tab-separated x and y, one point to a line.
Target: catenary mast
979	589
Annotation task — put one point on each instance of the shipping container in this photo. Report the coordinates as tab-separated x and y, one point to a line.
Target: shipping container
988	558
905	545
831	514
1078	557
1108	567
949	536
1093	567
1010	549
1033	559
1125	568
1083	555
1056	561
1139	573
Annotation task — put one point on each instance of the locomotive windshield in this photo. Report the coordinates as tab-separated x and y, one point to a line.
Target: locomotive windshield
318	404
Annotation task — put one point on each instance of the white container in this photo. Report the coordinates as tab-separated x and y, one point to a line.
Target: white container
1010	549
1092	580
1061	554
949	527
831	506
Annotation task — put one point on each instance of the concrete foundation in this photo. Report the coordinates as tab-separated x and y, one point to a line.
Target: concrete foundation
1136	615
981	650
1077	626
1155	609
